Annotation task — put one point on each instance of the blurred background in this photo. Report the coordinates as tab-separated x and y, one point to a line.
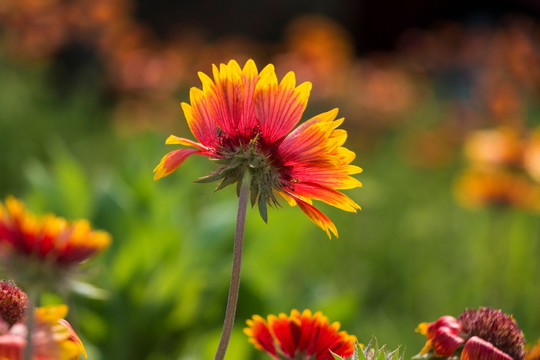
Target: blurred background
441	101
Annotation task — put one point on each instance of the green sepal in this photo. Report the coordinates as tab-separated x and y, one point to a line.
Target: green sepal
336	356
213	176
373	352
263	211
254	194
226	181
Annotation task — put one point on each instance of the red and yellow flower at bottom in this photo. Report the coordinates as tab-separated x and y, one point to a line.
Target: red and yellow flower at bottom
53	338
299	336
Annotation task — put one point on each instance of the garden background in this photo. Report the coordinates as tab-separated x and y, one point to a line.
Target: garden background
90	89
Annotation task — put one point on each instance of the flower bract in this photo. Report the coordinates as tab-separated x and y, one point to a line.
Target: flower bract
244	120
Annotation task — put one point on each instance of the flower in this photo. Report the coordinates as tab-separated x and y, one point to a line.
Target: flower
13	302
53	338
494	326
499	188
299	336
476	334
442	336
494	147
244	121
36	247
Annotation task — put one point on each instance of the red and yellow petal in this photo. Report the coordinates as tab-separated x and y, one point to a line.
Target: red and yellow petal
260	336
328	177
248	122
281	329
278	108
172	161
312	213
224	103
226	96
330	196
72	346
309	145
200	119
304	327
175	140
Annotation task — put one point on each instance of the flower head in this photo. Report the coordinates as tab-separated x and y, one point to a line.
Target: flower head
244	121
53	338
299	336
476	334
496	327
13	303
39	246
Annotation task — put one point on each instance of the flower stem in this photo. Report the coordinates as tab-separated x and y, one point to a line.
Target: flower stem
236	267
33	302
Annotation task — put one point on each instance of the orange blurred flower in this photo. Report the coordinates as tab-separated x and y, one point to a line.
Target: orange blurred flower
42	249
503	170
299	336
243	120
497	188
319	49
531	156
494	147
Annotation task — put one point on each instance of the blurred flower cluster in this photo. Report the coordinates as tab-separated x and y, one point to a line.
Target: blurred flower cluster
51	336
40	252
482	75
503	168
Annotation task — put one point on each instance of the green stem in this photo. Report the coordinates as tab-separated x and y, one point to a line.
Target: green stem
33	302
236	267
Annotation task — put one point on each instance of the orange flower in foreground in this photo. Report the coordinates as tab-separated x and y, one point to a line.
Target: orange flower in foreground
52	337
243	119
299	336
49	238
